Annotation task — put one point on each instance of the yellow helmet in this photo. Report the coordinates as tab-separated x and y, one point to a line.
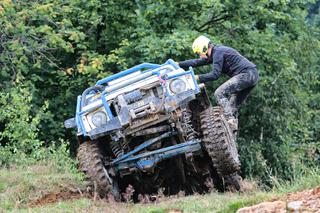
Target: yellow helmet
201	45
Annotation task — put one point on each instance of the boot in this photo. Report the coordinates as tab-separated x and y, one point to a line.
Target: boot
229	111
233	123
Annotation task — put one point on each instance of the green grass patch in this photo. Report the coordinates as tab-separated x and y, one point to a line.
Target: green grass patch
307	181
23	184
79	205
214	202
233	206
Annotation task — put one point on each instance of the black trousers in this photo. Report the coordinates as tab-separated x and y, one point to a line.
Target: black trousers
232	93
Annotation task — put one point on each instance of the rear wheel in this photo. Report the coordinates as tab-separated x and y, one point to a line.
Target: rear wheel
220	144
91	164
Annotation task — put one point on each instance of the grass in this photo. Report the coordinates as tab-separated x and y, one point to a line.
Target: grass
22	185
197	203
312	179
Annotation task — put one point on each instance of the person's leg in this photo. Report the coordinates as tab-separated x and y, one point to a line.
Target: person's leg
233	100
237	99
229	88
227	95
226	98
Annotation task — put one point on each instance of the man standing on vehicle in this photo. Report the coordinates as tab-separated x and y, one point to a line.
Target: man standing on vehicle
243	73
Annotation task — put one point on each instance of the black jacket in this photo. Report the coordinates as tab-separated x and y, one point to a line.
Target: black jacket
224	60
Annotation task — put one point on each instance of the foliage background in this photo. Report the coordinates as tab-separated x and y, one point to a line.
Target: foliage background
50	51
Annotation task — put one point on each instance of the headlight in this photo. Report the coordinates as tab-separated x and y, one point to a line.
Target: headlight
177	86
99	118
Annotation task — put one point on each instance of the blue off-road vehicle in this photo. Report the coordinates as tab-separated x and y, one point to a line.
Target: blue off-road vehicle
152	126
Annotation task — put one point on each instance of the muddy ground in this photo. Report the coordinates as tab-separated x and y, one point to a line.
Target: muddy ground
303	201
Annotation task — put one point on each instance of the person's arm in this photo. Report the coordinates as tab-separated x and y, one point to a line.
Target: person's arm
193	63
217	68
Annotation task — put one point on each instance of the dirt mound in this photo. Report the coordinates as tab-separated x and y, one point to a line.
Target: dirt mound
304	201
57	197
308	199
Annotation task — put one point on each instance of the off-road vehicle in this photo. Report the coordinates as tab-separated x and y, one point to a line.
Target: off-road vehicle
152	126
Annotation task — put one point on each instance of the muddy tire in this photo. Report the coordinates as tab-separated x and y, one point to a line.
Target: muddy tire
232	182
219	141
90	163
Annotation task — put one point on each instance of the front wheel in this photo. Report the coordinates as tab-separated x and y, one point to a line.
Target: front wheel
91	164
220	143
